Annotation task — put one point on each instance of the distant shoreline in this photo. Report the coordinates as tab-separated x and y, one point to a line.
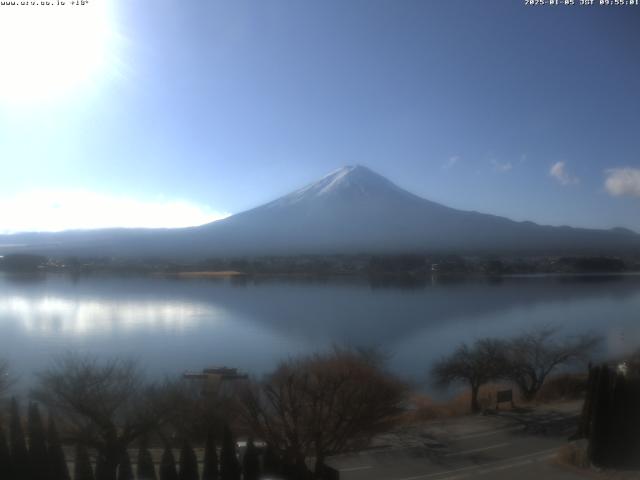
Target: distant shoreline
404	266
387	276
201	274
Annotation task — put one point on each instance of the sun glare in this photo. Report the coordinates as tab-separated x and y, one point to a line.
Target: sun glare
83	316
49	49
52	211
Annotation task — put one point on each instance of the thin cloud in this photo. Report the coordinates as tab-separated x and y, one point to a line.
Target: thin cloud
623	181
559	171
500	166
51	211
451	162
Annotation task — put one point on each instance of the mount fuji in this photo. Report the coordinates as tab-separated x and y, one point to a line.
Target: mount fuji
351	210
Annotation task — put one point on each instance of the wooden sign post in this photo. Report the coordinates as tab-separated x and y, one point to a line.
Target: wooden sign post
504	396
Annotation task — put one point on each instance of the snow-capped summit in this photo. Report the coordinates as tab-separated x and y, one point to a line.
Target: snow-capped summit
355	177
350	181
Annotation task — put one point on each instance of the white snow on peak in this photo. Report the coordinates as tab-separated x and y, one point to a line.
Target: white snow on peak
347	183
355	178
336	179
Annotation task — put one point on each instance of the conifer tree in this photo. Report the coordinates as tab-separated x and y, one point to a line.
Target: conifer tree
271	462
38	455
58	469
615	419
210	470
619	440
102	472
251	462
600	423
229	465
146	469
168	465
633	422
5	456
188	463
125	471
82	468
19	453
587	407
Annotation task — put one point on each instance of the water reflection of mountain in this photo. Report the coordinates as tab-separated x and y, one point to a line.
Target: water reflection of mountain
336	308
384	313
172	324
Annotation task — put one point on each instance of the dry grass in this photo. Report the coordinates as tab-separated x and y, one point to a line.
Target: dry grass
558	388
428	409
574	455
563	387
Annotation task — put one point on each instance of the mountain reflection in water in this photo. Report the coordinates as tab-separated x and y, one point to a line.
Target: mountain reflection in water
252	323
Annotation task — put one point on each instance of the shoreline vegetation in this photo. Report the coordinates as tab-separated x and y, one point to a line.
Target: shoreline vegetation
108	409
405	267
200	274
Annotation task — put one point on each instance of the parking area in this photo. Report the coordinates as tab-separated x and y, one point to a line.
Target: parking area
518	444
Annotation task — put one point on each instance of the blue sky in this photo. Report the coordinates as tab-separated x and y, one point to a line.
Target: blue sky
169	113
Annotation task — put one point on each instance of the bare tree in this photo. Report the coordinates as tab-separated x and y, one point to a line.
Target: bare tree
5	380
533	355
475	365
633	364
106	405
196	411
323	404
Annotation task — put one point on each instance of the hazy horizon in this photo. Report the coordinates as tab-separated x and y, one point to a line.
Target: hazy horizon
157	211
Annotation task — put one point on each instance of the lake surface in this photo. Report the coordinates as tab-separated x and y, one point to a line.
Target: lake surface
176	325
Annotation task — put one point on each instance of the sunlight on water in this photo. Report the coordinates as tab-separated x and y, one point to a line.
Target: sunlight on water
96	316
171	326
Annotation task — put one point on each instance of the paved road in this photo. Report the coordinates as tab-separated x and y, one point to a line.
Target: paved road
510	445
